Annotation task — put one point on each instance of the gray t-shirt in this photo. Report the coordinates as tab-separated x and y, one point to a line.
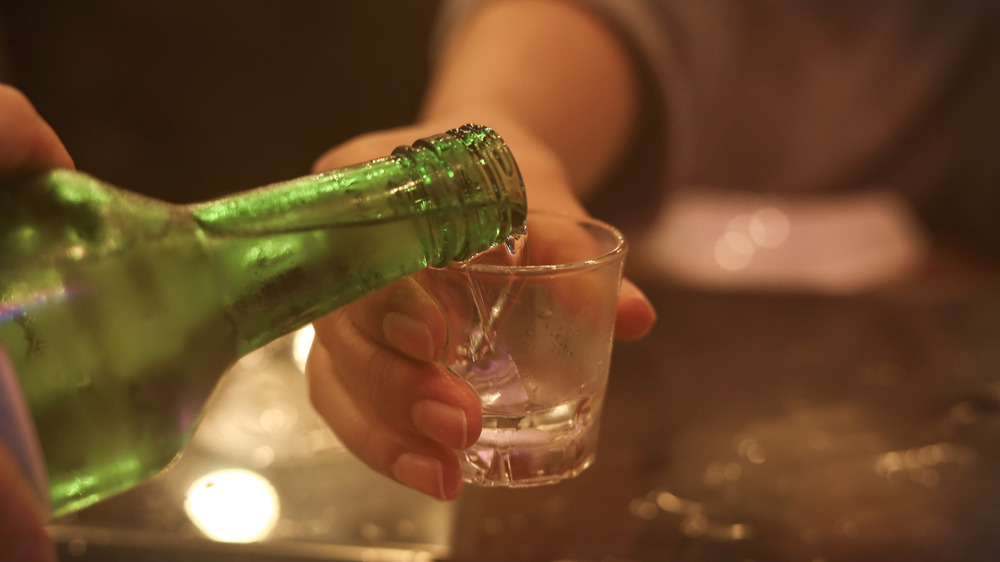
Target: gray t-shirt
791	96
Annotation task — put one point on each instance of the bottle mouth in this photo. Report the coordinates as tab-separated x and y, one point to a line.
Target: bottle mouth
500	167
494	158
477	158
502	175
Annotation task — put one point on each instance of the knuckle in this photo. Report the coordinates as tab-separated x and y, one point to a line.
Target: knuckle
11	96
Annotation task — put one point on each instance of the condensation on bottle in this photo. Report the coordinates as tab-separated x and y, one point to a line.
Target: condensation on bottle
118	313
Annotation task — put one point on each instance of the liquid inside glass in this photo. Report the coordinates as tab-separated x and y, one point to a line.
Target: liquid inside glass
526	439
531	436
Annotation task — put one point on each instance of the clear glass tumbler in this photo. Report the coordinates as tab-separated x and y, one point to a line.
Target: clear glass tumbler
532	331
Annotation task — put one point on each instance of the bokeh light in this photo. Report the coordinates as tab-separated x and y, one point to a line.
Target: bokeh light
233	505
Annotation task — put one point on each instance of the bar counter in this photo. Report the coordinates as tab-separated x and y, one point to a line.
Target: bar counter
747	426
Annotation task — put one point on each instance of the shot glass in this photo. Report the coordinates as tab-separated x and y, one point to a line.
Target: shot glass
531	331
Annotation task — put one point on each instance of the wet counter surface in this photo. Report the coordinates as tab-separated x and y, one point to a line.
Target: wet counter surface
745	427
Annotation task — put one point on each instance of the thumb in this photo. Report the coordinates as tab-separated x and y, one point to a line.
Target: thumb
27	142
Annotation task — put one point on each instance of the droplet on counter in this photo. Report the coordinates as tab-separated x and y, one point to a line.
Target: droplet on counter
555	505
732	471
963	413
714	475
809	536
695	525
643	508
371	532
492	526
673	504
932	454
718	474
287	528
405	528
519	521
928	477
262	457
318	527
911	459
887	463
882	374
741	531
817	440
77	548
748	448
272	420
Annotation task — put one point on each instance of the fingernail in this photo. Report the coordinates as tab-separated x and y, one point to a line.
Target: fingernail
409	335
441	422
420	473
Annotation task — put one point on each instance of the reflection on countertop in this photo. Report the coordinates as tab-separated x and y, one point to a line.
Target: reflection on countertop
781	427
262	479
747	426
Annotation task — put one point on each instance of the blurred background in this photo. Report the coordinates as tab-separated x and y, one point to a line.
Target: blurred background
763	426
191	99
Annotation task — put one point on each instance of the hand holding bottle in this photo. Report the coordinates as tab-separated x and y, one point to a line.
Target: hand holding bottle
27	143
371	369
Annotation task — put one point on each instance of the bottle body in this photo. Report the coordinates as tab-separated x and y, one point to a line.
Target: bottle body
114	327
119	312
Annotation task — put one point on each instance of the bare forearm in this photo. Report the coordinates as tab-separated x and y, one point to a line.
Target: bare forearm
547	67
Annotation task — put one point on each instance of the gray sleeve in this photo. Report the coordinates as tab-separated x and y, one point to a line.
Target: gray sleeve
642	25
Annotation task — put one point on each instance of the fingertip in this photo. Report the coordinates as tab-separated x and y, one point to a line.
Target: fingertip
636	315
452	479
421	473
454	488
28	142
428	475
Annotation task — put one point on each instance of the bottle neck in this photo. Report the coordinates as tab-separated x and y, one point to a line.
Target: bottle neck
474	186
290	252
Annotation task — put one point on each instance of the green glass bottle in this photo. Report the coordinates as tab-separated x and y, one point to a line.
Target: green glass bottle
119	312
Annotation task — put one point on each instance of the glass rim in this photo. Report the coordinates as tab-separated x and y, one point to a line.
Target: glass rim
617	252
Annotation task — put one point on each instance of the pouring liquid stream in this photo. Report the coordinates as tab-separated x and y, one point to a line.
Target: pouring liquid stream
514	253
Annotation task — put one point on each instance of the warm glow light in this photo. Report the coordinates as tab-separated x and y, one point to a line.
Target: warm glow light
301	342
769	227
745	233
733	251
233	505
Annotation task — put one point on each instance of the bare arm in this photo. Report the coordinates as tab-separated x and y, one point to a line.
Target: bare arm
550	68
